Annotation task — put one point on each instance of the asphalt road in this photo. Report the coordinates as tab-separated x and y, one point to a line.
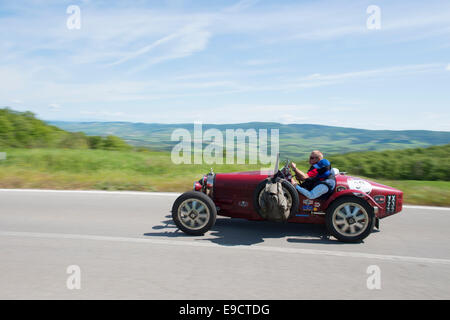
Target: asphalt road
125	246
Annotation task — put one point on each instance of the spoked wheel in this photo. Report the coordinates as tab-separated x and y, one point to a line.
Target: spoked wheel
350	219
194	213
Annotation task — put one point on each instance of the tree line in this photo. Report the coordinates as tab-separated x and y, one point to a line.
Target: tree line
432	163
24	130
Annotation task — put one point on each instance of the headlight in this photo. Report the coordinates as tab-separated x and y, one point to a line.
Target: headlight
197	186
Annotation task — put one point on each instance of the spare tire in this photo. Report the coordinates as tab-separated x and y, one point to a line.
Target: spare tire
289	192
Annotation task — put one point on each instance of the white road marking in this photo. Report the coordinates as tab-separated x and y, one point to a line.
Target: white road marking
345	254
165	194
427	208
134	193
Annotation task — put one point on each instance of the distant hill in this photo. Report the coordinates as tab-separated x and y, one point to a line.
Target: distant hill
24	130
296	140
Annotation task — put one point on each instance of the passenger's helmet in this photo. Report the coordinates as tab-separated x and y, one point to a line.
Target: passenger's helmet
323	168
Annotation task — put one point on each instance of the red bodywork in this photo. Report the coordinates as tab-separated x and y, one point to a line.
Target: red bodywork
233	195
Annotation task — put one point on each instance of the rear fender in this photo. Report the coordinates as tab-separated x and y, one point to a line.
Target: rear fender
347	192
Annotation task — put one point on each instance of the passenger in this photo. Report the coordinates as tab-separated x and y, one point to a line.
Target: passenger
320	183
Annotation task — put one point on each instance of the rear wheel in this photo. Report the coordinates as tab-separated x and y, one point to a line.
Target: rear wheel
350	219
194	213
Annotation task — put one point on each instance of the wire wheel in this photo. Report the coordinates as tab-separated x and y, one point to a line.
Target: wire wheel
193	214
350	219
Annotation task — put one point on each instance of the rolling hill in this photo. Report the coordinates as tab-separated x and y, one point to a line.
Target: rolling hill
296	140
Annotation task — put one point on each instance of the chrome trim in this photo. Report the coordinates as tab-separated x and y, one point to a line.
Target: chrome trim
209	187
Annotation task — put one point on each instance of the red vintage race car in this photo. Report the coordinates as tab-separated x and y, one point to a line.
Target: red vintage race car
350	213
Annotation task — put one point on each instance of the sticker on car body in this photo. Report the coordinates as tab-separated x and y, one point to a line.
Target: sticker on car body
359	184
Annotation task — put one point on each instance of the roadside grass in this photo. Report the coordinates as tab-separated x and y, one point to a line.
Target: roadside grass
433	193
69	169
101	170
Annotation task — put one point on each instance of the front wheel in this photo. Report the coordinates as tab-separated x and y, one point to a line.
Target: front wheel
194	213
350	219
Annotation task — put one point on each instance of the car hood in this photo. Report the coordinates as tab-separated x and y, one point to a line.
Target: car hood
250	173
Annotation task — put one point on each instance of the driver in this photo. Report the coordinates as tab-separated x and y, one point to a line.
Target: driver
322	184
316	182
315	157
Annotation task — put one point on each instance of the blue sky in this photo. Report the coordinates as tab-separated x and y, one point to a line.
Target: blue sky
180	61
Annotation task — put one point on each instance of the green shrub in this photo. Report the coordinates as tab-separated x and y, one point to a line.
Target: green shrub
23	130
430	164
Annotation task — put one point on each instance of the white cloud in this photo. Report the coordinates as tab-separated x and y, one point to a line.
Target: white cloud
260	62
317	80
54	107
186	41
241	5
116	35
103	113
448	67
144	50
199	85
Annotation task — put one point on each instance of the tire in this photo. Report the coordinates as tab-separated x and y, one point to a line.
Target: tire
287	187
194	213
350	219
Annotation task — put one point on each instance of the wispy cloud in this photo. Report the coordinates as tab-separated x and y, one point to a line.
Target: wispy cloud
145	50
260	62
240	6
103	113
196	85
186	41
317	79
55	107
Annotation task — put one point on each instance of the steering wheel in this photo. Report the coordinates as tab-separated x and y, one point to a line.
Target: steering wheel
286	171
288	162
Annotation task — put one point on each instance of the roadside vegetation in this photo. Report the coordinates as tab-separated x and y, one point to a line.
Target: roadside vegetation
46	157
23	130
148	171
426	164
101	169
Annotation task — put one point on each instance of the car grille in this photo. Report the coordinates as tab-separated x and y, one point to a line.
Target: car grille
391	203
